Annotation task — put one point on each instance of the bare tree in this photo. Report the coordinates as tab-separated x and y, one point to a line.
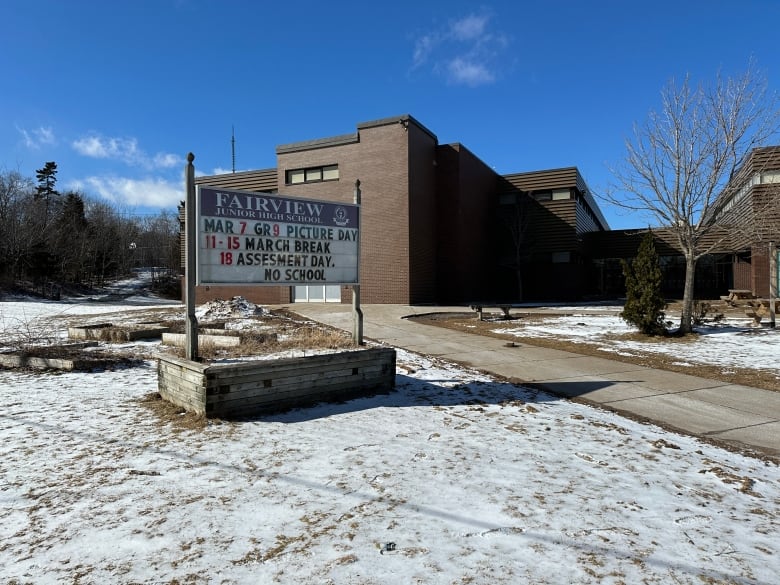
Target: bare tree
159	239
15	196
516	218
687	154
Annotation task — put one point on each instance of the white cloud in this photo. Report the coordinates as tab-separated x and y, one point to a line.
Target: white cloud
38	137
422	49
167	160
469	28
125	150
150	192
465	51
469	73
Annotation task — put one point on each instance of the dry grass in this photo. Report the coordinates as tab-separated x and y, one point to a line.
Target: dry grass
171	415
278	333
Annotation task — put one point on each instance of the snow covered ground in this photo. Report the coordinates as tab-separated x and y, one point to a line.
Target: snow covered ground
452	478
728	343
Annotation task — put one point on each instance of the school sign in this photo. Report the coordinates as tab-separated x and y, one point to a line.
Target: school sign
261	239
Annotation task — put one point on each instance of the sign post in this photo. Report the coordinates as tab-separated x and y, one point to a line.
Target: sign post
191	230
357	312
773	278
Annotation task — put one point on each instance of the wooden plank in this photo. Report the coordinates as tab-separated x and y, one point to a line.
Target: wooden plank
185	363
186	404
171	370
275	394
178	340
320	359
299	380
324	384
182	393
298	376
310	372
183	387
286	401
303	379
283	385
278	367
20	361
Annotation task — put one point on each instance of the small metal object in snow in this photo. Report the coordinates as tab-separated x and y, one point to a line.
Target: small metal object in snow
389	546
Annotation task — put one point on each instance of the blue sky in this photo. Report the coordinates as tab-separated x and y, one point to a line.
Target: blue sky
118	92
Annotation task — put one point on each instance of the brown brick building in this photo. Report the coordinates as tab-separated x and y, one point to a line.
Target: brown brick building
749	209
439	226
744	222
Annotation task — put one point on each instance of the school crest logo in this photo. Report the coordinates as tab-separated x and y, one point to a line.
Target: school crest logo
340	217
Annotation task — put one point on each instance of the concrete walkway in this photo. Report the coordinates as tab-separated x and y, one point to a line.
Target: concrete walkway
741	416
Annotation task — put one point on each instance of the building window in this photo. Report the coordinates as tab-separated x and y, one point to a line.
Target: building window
770	177
330	173
297	176
560	194
561	257
312	175
542	195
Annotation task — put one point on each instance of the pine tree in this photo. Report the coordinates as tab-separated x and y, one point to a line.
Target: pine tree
45	191
645	304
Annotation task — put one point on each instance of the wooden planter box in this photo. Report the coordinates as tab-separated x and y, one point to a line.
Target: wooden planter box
23	360
261	387
40	363
221	341
216	340
108	332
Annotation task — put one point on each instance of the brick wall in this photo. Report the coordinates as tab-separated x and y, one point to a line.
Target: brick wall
468	227
380	160
759	257
424	223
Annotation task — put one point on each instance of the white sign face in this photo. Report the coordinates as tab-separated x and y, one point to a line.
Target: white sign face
261	239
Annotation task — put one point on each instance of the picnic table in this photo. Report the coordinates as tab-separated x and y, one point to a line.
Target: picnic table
737	294
479	307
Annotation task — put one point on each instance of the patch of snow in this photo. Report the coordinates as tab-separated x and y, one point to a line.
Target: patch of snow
726	343
235	308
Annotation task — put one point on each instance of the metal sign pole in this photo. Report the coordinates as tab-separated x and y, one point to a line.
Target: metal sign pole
357	313
772	282
191	230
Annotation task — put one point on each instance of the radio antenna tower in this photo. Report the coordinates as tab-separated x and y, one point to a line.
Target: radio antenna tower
233	146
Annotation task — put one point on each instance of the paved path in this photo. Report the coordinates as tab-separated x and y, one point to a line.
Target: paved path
738	415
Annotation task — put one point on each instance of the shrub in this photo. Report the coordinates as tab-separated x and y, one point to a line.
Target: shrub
645	304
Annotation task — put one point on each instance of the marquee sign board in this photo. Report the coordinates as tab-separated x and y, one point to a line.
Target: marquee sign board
262	239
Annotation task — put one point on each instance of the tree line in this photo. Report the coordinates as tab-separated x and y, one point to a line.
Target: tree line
50	239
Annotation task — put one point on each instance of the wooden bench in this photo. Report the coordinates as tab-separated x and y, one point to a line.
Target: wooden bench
505	308
759	308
